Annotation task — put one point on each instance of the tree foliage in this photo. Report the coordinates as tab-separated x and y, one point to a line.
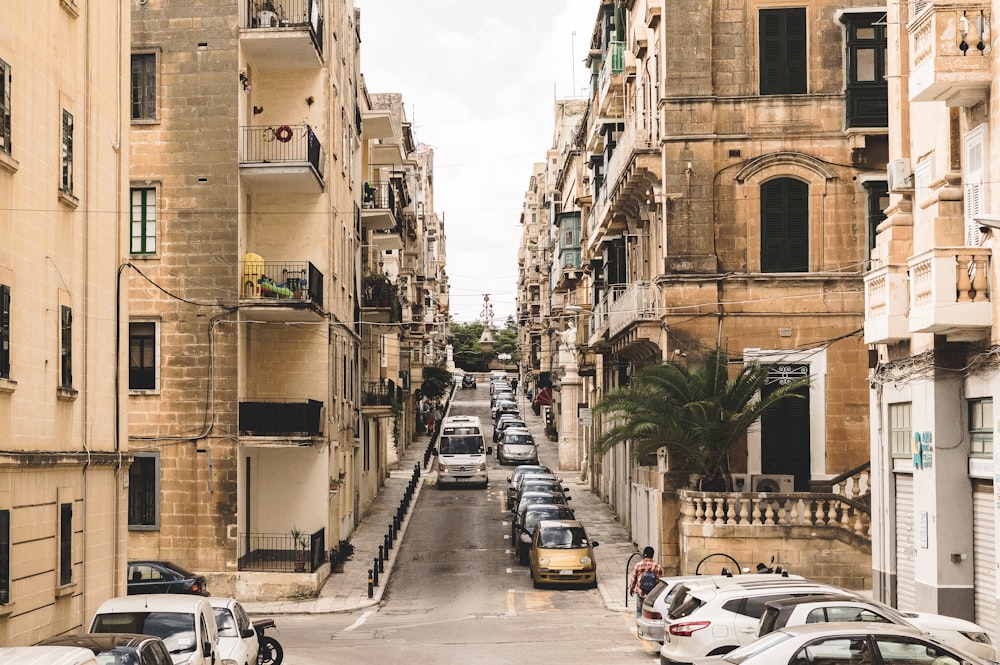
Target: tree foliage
697	413
437	381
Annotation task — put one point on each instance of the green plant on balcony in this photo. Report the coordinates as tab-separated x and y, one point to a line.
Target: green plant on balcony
377	290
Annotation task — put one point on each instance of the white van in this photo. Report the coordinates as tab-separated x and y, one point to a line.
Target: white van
185	623
462	451
47	656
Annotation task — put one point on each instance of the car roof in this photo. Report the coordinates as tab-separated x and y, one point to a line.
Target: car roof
221	601
167	602
98	641
824	598
854	628
547	506
559	524
161	562
45	655
707	593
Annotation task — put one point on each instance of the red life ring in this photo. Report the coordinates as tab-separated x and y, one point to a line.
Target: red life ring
283	133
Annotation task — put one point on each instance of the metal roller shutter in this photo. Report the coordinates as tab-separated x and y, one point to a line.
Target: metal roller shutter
984	564
906	598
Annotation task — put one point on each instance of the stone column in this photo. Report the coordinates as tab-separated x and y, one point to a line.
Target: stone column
570	432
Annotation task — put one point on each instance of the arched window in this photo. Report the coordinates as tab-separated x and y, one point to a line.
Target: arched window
784	225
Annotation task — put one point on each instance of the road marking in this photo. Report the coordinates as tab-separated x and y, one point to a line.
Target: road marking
359	622
511	611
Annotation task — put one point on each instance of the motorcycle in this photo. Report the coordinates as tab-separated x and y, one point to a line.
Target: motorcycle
268	650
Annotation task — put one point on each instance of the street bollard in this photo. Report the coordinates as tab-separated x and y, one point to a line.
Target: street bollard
395	523
381	552
392	533
387	544
381	559
375	573
371	585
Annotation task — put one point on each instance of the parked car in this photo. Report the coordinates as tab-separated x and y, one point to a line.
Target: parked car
952	631
115	648
46	655
708	619
504	422
656	604
561	553
163	577
185	623
534	514
521	470
517	446
528	498
237	636
468	381
845	644
515	488
505	406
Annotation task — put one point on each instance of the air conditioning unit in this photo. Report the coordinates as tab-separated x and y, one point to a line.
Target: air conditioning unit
773	482
900	175
740	481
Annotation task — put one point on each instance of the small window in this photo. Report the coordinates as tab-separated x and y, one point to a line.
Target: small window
144	492
900	429
4	557
66	347
4	331
66	181
143	86
981	427
784	233
143	220
142	355
65	543
877	201
4	107
783	51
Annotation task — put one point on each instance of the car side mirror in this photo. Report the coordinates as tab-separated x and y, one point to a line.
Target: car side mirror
249	632
206	650
489	451
594	543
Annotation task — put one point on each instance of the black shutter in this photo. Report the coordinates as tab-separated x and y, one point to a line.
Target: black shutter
784	235
4	331
783	51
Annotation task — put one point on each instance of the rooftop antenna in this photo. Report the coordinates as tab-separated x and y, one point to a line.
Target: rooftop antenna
572	57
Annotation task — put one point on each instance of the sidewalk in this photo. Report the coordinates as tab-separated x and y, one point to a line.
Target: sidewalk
348	591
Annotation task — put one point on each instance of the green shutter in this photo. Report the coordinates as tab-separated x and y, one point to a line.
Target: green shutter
784	235
782	62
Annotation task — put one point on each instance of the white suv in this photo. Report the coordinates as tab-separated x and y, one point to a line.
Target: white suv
708	620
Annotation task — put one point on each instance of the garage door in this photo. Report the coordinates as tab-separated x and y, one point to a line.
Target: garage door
906	598
984	558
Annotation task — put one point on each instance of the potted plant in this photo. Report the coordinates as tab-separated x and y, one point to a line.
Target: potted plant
300	543
340	554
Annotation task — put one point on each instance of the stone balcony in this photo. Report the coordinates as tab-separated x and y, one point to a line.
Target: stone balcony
950	293
941	68
887	304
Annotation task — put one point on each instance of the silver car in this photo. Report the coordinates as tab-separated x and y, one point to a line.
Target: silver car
517	447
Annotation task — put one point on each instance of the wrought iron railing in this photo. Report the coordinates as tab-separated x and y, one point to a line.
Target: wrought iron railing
281	144
296	14
376	393
281	280
281	553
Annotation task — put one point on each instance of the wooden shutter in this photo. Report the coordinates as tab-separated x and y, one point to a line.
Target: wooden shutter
784	209
782	51
4	331
973	171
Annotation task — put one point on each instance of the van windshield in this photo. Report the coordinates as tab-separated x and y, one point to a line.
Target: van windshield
461	445
176	629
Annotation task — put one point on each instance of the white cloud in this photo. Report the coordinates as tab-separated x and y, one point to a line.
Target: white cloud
479	81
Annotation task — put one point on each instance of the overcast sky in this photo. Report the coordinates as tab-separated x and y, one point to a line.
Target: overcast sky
479	80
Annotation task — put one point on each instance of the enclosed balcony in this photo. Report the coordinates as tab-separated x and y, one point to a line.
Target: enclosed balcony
887	304
610	101
949	47
281	35
281	158
282	419
950	293
281	290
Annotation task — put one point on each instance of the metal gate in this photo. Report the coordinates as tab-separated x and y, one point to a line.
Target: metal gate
906	597
984	564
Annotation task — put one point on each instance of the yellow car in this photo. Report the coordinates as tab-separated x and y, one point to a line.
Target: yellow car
561	553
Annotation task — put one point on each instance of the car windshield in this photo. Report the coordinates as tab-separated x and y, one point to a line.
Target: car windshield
461	445
518	438
533	517
176	629
225	622
563	537
116	657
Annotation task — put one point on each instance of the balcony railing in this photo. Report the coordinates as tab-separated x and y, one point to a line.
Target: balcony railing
383	204
279	553
638	302
377	393
950	291
269	145
602	310
287	14
289	282
886	304
939	69
281	418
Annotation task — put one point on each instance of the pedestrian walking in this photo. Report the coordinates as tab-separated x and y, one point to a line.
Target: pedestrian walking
645	576
513	385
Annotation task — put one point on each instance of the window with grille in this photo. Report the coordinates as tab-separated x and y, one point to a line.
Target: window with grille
144	492
143	86
784	225
142	355
981	427
143	220
900	429
66	181
783	51
4	107
66	347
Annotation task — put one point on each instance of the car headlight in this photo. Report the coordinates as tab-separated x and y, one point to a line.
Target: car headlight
585	560
482	466
544	561
525	537
228	661
982	638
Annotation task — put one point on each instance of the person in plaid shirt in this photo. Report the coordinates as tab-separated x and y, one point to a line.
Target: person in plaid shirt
647	564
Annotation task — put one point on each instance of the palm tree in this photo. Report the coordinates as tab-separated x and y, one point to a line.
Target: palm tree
697	413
